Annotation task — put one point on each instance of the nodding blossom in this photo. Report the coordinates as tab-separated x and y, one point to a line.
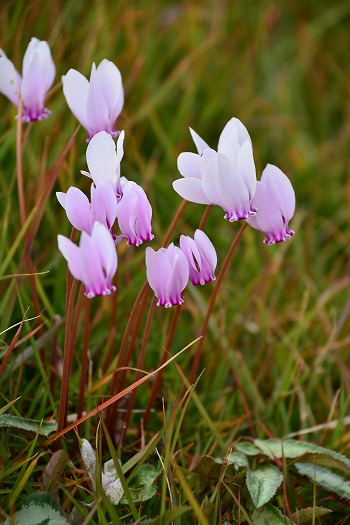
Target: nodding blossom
134	214
167	274
38	73
103	160
81	214
274	201
94	262
226	177
201	257
98	103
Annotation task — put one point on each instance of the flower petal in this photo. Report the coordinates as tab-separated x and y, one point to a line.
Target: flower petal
207	248
282	189
200	144
71	253
10	79
105	246
191	189
102	159
235	131
189	165
77	208
76	90
112	88
159	272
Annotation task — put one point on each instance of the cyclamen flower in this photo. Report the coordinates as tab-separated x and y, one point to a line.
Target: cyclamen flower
94	262
103	160
134	214
98	103
226	177
274	200
81	214
167	274
201	257
38	73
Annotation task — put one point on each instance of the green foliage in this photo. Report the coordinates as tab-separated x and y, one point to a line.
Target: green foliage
38	509
253	493
43	428
263	483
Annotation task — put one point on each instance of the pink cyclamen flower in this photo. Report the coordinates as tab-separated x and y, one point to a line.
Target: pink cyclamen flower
274	200
81	214
201	257
103	158
98	103
38	73
226	177
134	214
167	274
94	262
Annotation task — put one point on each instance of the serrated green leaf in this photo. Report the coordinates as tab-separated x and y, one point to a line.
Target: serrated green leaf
325	478
28	425
291	449
304	516
38	509
263	483
143	486
247	448
269	515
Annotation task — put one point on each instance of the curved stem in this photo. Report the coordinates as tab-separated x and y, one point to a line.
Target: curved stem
213	299
205	217
84	358
20	187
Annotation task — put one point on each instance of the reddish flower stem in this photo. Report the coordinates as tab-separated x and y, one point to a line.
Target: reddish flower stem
218	283
66	358
19	165
84	358
205	217
159	377
141	359
112	328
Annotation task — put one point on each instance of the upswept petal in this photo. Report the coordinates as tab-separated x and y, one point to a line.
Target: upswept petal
179	278
103	203
77	207
233	189
207	248
93	276
33	89
210	182
28	55
246	166
200	144
76	90
10	79
71	253
158	271
191	189
102	159
268	217
105	246
191	252
235	131
42	50
189	165
282	189
112	88
97	109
